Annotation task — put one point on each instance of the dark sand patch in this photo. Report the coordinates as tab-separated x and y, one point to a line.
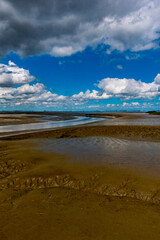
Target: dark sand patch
132	132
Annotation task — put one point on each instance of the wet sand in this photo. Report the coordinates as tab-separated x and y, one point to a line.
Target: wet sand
24	118
139	156
122	131
46	193
7	119
43	195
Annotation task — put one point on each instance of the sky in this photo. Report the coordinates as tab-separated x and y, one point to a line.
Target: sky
88	55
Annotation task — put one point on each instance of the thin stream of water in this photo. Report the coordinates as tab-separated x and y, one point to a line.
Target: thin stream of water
47	125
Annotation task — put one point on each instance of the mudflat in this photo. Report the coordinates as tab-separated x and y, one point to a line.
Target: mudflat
123	131
26	118
46	195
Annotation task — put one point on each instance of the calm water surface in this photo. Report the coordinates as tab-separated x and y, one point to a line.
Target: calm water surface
107	151
141	119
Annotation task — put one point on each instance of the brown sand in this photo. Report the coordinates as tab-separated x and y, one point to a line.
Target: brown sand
13	120
131	132
44	196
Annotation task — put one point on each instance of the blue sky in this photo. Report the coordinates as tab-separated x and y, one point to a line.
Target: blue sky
113	67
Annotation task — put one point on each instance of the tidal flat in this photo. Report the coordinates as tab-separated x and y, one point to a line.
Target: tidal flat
98	180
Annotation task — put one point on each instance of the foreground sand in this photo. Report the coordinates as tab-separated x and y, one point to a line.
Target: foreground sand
45	196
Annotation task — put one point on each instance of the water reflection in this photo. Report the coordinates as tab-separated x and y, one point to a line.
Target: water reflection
107	150
47	124
141	119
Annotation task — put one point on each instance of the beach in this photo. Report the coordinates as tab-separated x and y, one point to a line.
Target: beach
99	180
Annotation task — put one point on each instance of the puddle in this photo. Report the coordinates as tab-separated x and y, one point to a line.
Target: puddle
106	151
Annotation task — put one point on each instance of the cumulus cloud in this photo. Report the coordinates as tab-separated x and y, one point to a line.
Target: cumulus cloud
11	75
130	88
124	89
91	95
132	104
15	88
36	95
64	27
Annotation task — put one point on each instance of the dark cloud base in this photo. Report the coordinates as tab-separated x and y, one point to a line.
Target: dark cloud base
63	27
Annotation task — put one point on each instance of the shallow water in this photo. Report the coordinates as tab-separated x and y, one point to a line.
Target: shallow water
141	119
107	151
47	124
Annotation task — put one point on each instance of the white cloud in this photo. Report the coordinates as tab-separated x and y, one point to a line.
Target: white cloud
62	51
11	94
124	89
11	75
135	31
157	79
91	95
130	88
133	56
10	63
120	67
110	105
135	104
132	104
95	106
